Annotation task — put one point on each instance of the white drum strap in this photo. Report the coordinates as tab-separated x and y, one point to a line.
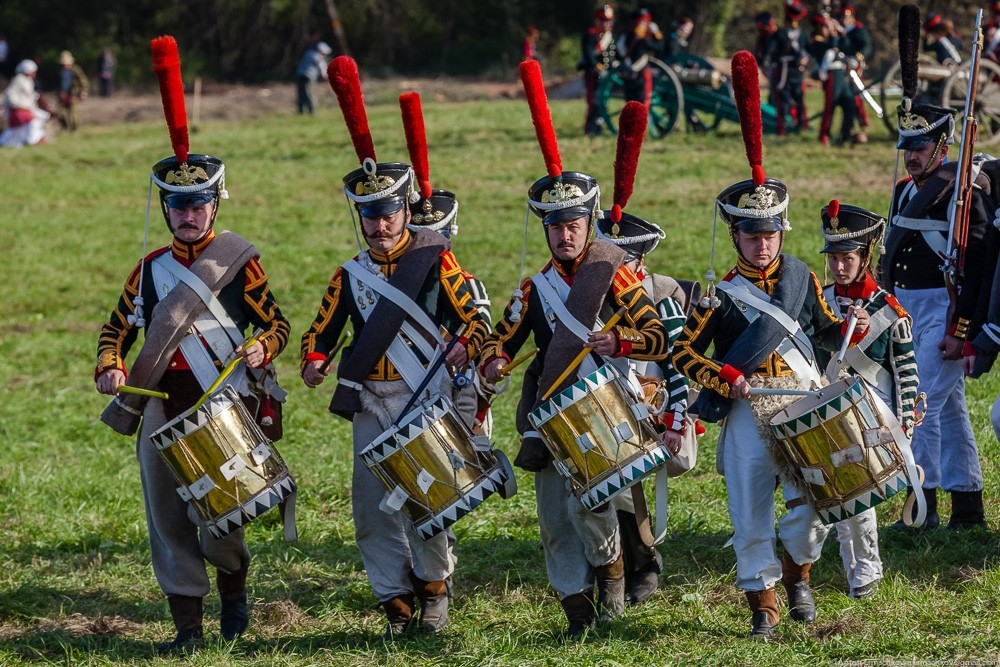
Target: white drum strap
661	505
402	356
751	305
206	327
874	373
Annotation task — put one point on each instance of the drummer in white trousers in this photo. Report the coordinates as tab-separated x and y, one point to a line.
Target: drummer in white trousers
884	359
397	294
763	320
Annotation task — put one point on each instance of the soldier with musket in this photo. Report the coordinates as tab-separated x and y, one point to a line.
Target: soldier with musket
763	319
583	284
944	320
597	58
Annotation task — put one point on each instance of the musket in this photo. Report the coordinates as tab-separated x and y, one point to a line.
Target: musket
959	208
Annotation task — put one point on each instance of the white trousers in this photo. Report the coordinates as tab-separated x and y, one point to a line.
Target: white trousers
751	477
943	444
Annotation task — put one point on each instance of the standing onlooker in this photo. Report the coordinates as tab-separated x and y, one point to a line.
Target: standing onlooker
598	56
106	64
787	53
678	42
73	86
529	50
312	68
24	118
4	56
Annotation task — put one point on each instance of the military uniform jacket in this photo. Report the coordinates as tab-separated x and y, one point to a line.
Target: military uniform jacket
247	300
597	51
910	262
786	50
722	325
444	296
640	333
888	362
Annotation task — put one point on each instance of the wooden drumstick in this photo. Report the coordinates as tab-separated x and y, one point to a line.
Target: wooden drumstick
852	323
333	353
139	391
505	370
583	353
764	391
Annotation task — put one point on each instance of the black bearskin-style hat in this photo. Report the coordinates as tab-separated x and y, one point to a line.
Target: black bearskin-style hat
379	188
435	212
759	204
850	228
376	188
569	196
560	195
198	181
184	180
753	208
924	124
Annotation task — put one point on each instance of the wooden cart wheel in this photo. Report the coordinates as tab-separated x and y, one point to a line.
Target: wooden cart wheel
987	109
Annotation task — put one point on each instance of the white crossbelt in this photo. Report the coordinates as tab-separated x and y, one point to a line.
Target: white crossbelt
879	322
215	327
400	352
752	301
932	230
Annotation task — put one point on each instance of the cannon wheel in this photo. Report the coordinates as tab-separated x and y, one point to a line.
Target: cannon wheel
666	105
987	110
891	92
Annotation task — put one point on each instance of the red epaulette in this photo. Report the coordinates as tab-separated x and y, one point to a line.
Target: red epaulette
448	262
729	276
896	305
624	279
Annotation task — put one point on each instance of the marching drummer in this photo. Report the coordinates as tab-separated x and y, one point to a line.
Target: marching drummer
186	343
763	319
884	358
402	288
584	281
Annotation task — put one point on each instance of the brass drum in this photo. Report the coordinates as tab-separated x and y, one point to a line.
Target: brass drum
435	469
225	466
845	443
601	438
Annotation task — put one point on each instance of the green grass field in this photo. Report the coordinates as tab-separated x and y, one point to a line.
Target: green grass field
76	586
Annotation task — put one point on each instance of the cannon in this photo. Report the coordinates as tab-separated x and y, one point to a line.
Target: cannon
686	87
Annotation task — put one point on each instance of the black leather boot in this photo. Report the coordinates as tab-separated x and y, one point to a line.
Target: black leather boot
610	591
433	596
967	510
235	616
764	607
643	563
580	613
186	613
931	521
795	579
399	612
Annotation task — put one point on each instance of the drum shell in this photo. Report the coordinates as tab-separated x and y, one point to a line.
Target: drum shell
427	443
220	442
844	443
600	438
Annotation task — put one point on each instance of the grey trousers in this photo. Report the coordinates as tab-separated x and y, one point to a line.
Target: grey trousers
575	540
177	544
390	547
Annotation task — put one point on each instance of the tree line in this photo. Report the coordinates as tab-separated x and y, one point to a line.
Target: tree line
251	41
